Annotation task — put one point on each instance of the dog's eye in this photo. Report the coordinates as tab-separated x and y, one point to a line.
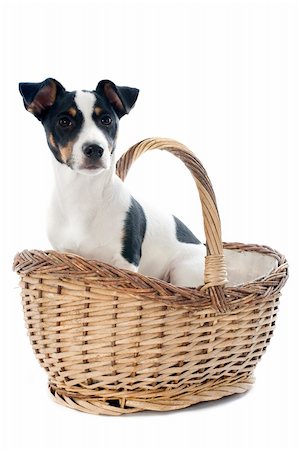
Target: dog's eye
64	122
106	120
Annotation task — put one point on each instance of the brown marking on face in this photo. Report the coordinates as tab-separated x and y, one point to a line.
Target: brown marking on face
72	112
98	110
66	152
52	140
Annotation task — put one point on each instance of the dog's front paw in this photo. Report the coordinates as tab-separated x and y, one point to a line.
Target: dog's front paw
122	263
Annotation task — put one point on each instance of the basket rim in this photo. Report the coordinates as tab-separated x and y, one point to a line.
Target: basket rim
67	266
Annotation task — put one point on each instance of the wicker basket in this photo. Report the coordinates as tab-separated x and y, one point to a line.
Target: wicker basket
115	342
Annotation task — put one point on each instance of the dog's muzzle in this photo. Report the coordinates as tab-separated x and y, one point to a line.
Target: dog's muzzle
93	160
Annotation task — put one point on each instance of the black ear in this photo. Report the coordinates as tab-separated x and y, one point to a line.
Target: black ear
39	97
121	98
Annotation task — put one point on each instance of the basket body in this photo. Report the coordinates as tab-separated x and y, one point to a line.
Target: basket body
116	342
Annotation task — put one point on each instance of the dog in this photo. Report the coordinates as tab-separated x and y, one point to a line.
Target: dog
92	213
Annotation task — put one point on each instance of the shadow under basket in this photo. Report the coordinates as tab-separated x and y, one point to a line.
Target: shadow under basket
116	342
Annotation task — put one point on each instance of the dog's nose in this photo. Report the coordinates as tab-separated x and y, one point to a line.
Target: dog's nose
93	151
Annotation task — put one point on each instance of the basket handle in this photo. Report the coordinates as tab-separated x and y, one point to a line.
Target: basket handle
215	276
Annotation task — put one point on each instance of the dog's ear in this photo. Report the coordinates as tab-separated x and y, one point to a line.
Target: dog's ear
39	97
121	98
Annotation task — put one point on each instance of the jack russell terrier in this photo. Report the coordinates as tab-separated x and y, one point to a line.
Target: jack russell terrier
92	213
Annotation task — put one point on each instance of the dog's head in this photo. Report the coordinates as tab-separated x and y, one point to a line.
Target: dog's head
81	126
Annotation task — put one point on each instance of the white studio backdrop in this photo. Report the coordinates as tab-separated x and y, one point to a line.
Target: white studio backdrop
220	76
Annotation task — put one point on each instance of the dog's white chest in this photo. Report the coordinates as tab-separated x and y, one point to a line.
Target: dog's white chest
93	235
85	220
90	238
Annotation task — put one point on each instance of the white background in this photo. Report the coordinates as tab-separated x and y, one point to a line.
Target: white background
220	76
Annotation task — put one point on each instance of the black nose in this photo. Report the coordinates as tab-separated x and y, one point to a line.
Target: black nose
93	151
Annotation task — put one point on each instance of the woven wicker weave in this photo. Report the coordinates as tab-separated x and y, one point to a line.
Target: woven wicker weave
115	342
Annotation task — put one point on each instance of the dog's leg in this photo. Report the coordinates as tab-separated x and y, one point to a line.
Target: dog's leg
188	269
122	263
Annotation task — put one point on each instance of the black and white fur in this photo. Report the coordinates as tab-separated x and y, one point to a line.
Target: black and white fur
92	213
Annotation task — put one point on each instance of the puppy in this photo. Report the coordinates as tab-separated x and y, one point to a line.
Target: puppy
92	213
